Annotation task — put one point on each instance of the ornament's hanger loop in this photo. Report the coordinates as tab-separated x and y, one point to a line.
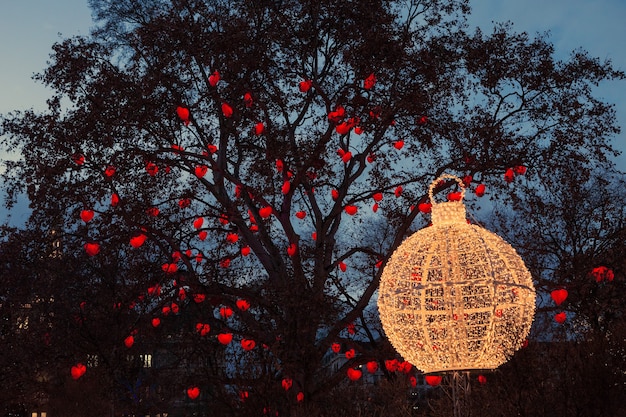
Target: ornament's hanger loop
442	178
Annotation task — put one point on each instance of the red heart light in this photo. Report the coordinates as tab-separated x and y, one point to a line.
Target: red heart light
287	383
334	194
259	128
199	298
193	392
398	191
391	365
86	215
212	148
78	158
201	170
203	235
245	251
454	196
305	85
198	222
129	341
225	338
301	214
482	379
169	268
559	295
343	266
480	190
292	249
183	114
265	212
109	171
156	322
369	82
372	367
371	158
399	144
203	328
153	211
560	317
78	370
115	200
433	380
137	240
350	354
343	128
354	374
351	210
152	169
300	397
248	344
232	238
243	305
519	169
227	111
425	207
509	175
248	100
375	207
377	196
226	312
405	367
92	248
214	78
286	187
335	347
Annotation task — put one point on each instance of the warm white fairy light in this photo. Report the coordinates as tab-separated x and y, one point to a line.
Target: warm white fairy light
455	296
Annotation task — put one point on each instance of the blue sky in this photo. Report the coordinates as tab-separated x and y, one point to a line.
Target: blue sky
28	28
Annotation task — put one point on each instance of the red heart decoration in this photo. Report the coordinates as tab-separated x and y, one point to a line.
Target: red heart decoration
334	194
78	158
248	344
482	379
519	169
115	200
225	338
346	157
375	207
92	248
265	212
201	170
243	305
391	365
152	169
351	210
377	196
354	374
259	128
78	370
398	191
480	190
225	263
433	380
156	322
300	397
372	367
183	114
199	298
425	207
301	214
203	328
169	268
245	251
203	235
226	312
350	354
343	128
343	266
287	383
227	111
153	211
247	99
232	238
129	341
292	249
509	175
137	240
559	295
335	347
454	196
305	85
371	158
109	171
560	317
369	82
193	392
399	144
405	367
214	78
86	215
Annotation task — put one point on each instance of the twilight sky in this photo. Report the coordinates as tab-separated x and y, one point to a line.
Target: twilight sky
28	29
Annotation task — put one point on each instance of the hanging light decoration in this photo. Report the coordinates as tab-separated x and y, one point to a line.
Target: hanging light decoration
455	296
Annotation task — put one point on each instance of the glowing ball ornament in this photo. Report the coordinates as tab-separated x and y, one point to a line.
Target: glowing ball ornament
455	296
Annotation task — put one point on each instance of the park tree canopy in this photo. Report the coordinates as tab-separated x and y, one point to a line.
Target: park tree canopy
250	166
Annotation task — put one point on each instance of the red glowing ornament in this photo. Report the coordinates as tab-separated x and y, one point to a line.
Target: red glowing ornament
225	338
287	383
480	190
519	170
343	266
369	82
227	111
354	374
482	379
109	171
248	344
156	322
398	191
92	248
601	273
193	392
203	328
78	370
391	365
378	196
454	196
433	380
232	238
86	215
203	235
248	100
335	347
243	305
214	78
301	214
286	187
346	157
305	85
259	128
559	296
300	397
560	317
351	210
137	240
152	169
334	194
129	341
398	144
115	200
265	212
226	312
425	207
292	249
372	367
183	114
509	175
245	251
350	354
201	170
78	158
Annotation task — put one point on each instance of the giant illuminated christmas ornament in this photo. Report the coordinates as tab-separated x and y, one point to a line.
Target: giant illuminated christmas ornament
455	296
